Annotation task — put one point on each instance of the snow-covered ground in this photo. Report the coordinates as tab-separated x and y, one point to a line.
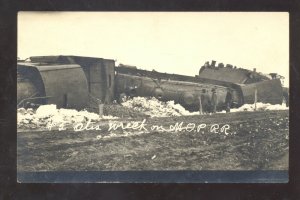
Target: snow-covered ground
259	107
47	116
156	108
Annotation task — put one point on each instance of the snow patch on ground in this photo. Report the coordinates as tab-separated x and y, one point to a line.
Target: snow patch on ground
46	115
260	107
155	108
49	114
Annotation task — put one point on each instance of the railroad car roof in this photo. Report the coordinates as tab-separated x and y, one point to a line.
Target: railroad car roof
47	67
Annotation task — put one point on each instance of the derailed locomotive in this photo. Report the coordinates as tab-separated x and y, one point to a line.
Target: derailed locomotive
80	82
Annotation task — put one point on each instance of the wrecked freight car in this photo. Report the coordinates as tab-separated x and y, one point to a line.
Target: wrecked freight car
82	82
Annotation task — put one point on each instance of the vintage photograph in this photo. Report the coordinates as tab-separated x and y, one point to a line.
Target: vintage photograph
152	91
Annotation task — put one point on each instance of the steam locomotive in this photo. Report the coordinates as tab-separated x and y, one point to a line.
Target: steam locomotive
79	82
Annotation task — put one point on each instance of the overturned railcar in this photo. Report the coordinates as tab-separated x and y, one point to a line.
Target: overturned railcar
63	85
67	81
184	90
82	82
268	86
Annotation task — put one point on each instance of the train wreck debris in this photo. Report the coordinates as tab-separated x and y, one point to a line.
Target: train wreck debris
84	82
231	74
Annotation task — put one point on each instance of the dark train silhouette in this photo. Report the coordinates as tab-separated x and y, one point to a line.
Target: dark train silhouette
79	82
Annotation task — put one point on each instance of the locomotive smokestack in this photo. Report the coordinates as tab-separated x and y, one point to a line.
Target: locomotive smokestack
213	63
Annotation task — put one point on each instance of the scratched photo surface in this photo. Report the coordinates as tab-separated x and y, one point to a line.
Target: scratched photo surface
134	91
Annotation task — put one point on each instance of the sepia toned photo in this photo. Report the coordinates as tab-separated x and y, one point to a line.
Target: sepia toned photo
107	93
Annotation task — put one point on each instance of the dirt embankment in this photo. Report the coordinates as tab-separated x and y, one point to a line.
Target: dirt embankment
253	140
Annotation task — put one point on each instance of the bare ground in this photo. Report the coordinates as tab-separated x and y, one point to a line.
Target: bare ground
256	141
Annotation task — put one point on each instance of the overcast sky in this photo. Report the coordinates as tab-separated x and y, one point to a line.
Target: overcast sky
173	42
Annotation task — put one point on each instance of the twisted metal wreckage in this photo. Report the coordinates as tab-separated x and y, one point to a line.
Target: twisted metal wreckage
80	82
